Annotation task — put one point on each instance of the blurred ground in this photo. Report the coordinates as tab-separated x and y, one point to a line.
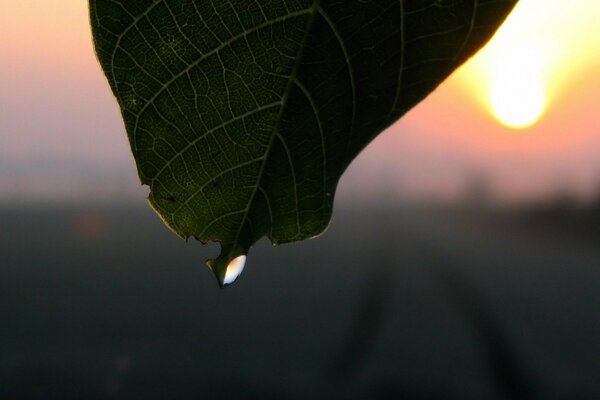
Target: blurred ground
392	303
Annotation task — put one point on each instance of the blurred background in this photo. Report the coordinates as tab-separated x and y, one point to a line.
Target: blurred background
462	260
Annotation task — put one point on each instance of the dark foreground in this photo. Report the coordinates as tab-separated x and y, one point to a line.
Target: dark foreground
105	303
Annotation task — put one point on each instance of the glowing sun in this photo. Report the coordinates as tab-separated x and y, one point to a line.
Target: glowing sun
538	55
517	94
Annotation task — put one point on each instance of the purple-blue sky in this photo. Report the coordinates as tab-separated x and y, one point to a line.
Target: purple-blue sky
61	135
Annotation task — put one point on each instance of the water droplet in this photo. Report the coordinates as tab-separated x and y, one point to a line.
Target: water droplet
234	270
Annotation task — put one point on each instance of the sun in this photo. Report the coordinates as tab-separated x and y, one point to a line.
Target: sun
543	50
516	91
517	103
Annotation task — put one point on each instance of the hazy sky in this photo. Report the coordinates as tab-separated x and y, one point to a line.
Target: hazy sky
61	135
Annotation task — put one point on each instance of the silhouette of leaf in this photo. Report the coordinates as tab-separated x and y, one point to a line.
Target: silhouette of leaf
243	114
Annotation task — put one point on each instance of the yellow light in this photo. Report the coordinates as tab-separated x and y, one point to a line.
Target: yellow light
517	94
544	48
518	104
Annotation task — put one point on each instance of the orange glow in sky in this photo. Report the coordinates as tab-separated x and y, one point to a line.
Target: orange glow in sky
537	55
59	123
45	33
521	116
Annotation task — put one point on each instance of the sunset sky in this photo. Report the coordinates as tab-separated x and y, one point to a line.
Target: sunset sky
61	135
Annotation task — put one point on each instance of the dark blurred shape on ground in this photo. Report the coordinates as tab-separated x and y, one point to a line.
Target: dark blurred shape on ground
393	302
566	218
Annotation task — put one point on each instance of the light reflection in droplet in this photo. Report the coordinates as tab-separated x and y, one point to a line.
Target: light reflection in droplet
234	270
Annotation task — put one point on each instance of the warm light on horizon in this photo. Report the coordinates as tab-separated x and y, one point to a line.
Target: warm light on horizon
62	135
541	51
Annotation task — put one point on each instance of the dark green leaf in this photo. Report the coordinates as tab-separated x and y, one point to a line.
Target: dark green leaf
243	114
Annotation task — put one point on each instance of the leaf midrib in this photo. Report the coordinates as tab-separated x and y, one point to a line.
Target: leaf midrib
312	11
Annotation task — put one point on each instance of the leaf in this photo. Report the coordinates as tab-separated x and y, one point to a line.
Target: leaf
243	114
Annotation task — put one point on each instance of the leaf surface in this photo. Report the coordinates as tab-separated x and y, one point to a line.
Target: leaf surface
242	115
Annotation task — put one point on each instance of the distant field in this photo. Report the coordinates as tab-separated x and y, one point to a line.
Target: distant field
106	303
